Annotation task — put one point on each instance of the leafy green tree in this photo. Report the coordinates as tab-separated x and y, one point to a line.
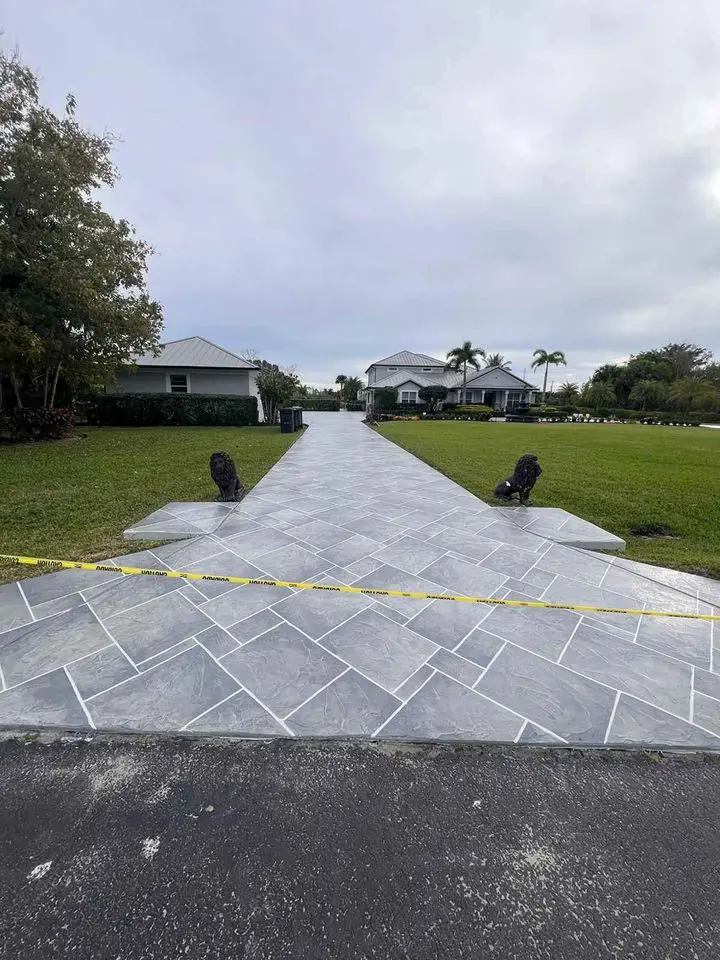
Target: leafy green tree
649	394
350	388
341	380
541	358
460	358
687	359
385	399
693	394
567	393
597	395
73	299
276	387
497	360
433	396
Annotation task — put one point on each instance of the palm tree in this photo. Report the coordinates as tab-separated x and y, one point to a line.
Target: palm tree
459	358
649	394
567	392
598	394
341	380
497	360
544	359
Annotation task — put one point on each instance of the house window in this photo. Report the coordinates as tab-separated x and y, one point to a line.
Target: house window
178	383
514	399
427	369
408	396
392	369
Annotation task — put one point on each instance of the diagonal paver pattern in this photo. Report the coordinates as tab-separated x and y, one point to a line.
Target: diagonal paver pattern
345	506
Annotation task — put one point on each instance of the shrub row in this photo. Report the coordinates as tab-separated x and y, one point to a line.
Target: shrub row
171	409
28	424
315	403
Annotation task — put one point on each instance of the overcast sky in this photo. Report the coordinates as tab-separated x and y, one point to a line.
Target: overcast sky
330	182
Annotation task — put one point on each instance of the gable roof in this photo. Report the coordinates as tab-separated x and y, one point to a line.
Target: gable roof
506	373
407	359
194	352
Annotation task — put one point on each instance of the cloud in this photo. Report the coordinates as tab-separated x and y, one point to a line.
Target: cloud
330	184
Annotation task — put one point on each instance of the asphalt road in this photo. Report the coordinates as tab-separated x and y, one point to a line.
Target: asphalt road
149	848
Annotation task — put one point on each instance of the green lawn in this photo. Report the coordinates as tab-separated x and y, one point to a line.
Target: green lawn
72	499
616	476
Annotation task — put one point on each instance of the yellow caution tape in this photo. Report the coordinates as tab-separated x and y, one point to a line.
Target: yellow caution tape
328	588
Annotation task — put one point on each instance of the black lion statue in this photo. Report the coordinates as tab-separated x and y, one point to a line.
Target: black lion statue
524	478
224	474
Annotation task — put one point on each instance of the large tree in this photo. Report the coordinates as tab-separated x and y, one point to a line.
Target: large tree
276	386
73	300
649	394
497	360
543	358
567	393
599	394
460	358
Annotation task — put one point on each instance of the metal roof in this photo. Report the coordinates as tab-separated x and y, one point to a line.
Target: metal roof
407	359
194	352
448	378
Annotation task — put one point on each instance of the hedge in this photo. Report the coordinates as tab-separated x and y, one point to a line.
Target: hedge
29	423
314	403
172	410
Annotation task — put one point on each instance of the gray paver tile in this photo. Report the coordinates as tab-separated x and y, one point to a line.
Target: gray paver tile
179	554
294	563
13	609
253	626
40	647
575	564
242	602
413	683
409	554
385	652
456	667
283	668
689	640
252	546
463	578
541	631
706	712
574	707
240	715
50	586
352	552
631	668
225	564
166	697
445	710
48	701
563	590
319	534
391	578
145	631
480	647
638	722
510	560
446	623
61	605
111	598
533	734
376	528
217	641
315	612
100	670
707	683
466	544
167	654
351	706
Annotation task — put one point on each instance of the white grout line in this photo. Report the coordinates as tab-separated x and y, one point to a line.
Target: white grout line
637	628
242	643
403	704
248	691
612	717
312	696
692	693
218	704
80	699
492	659
22	594
3	685
156	656
567	644
140	673
112	638
400	685
520	732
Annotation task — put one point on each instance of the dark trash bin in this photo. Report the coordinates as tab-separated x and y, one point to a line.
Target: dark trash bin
287	420
297	417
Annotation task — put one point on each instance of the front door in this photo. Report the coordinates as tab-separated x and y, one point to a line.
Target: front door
490	397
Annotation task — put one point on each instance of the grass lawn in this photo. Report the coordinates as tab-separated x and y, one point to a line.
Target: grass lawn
72	499
616	476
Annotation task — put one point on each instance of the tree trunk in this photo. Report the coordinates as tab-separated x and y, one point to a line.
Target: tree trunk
547	365
46	385
55	383
16	386
464	399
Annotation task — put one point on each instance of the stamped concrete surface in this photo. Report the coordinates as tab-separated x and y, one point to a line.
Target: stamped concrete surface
345	506
146	849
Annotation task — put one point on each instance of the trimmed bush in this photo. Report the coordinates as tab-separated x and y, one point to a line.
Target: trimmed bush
172	410
477	411
355	405
27	424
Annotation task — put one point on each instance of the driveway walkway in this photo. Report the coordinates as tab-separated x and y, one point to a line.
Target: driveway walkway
346	506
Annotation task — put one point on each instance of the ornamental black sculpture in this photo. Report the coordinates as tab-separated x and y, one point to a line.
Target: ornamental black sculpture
524	478
224	474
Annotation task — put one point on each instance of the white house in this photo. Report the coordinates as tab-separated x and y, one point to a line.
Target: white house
192	365
407	372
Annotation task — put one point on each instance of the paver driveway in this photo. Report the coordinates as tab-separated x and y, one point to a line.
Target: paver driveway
346	506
